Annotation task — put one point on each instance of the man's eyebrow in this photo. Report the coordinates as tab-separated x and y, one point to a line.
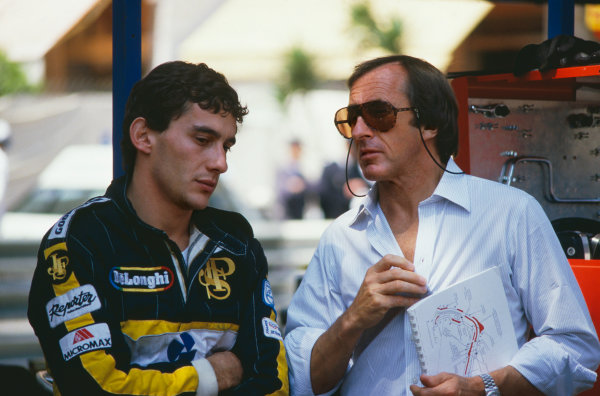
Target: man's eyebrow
212	132
205	129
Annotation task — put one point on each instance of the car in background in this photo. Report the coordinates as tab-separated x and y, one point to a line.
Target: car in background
76	174
80	172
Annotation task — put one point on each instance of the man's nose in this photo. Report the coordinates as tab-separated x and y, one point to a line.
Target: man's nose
219	163
361	130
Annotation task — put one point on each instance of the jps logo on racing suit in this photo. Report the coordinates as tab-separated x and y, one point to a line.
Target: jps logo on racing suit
213	276
141	279
58	262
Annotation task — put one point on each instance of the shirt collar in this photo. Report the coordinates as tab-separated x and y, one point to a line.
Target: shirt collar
452	187
368	205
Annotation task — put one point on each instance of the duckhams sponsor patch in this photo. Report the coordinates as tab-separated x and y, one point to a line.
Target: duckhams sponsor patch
72	304
271	329
141	279
85	339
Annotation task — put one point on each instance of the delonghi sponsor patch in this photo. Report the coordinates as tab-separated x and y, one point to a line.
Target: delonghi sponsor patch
85	339
72	304
271	329
58	262
141	279
59	230
267	294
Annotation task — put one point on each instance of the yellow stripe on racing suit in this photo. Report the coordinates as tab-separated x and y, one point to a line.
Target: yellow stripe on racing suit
117	311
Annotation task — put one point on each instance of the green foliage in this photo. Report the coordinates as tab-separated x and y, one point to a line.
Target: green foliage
299	74
376	33
12	78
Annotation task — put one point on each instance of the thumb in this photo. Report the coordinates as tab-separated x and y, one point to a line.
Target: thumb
431	381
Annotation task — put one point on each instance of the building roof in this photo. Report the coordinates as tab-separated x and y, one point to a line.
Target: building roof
248	38
29	28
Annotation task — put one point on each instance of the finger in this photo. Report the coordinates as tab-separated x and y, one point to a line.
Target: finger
402	301
403	287
416	390
396	274
431	381
390	260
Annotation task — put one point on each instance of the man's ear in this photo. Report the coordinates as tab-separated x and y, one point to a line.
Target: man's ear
429	133
140	135
426	133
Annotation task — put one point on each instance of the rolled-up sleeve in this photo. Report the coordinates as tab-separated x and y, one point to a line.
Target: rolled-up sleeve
561	359
568	376
314	307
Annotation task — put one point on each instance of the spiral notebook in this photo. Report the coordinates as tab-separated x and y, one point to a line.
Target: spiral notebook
465	329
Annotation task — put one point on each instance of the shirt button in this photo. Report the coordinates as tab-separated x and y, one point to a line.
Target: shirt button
415	380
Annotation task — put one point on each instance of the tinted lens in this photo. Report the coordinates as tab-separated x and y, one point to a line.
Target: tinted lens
379	115
343	124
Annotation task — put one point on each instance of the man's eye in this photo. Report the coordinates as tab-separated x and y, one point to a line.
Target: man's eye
201	139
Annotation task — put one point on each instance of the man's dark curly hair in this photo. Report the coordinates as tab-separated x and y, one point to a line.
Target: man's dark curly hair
168	91
428	90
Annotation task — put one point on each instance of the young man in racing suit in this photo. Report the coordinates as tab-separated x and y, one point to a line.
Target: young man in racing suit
146	290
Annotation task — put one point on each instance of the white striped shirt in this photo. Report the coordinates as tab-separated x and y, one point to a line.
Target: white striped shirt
466	226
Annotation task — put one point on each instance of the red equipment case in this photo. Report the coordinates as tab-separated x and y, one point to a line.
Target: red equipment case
541	133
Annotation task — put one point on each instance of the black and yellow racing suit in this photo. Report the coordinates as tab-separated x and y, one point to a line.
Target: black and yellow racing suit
118	311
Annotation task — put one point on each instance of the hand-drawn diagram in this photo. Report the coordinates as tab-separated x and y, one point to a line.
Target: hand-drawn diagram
464	333
466	328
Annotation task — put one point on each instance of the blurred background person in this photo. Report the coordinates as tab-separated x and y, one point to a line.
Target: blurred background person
292	185
334	195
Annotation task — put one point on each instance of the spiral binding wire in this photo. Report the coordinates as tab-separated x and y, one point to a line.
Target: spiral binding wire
417	341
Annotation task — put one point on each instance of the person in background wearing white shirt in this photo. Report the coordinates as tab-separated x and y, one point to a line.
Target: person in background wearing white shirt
423	226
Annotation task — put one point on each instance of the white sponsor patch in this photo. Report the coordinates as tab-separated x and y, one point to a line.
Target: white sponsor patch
59	230
168	347
72	304
85	339
271	329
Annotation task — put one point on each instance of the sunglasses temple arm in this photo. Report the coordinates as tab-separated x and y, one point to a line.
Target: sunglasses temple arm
347	182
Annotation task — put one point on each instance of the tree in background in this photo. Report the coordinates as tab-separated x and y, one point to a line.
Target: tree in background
385	35
299	74
12	78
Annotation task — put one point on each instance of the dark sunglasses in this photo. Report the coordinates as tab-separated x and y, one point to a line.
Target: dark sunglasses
378	115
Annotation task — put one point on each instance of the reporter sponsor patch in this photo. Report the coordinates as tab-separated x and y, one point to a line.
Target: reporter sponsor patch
85	339
72	304
271	329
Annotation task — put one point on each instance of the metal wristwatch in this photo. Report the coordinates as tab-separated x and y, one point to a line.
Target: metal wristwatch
491	389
